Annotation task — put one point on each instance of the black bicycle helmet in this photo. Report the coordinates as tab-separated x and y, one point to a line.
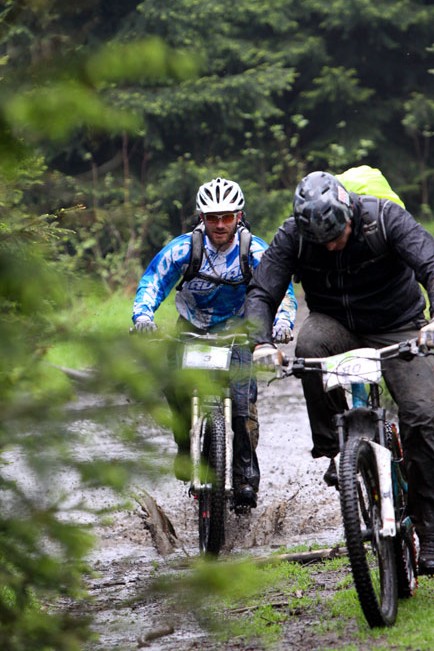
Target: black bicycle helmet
322	207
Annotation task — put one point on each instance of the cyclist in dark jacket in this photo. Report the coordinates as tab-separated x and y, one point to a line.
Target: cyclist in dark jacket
357	297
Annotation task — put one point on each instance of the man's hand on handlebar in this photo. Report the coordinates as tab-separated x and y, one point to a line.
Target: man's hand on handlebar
426	336
267	357
282	332
144	324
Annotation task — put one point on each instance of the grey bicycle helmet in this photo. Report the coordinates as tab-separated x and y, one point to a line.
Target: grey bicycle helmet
219	195
322	207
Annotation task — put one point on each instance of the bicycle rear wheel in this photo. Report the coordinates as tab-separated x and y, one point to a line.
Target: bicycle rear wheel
371	556
405	542
212	500
406	559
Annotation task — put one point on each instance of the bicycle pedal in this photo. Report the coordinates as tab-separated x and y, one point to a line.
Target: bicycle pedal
241	509
192	493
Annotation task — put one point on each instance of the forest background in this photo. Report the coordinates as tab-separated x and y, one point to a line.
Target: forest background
111	116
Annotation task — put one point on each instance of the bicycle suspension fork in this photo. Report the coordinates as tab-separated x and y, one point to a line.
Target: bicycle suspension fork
229	440
362	419
196	425
195	432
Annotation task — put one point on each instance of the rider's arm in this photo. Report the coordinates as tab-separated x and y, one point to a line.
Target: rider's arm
287	310
413	244
160	277
271	284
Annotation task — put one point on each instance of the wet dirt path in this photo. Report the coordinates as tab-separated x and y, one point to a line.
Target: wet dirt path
295	506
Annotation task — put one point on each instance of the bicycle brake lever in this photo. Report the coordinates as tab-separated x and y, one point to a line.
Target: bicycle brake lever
283	372
298	368
409	349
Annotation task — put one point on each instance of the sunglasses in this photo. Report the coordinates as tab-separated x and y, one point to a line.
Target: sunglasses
227	218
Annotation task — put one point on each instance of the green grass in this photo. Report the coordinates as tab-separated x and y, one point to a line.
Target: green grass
100	314
238	599
413	628
260	604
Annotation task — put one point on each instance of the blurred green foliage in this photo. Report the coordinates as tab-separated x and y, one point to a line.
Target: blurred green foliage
47	98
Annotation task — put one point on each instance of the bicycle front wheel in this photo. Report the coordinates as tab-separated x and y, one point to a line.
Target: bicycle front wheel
212	499
371	555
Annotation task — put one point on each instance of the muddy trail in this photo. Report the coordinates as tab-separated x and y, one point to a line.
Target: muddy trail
157	533
159	530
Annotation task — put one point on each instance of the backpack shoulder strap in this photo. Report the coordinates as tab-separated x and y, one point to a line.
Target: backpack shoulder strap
245	242
372	214
196	255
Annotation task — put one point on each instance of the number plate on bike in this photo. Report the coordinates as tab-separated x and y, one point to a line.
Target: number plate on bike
206	357
354	366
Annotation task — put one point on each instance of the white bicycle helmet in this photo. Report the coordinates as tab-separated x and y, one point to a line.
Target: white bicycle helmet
219	195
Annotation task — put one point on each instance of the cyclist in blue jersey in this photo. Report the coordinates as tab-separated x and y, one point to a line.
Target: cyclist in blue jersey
209	299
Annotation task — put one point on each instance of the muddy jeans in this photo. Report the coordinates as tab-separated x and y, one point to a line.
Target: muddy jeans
244	392
411	385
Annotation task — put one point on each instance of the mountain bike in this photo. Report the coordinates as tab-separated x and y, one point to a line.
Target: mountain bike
380	536
211	433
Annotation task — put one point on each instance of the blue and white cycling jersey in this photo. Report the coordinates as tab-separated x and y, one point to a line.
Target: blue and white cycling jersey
203	303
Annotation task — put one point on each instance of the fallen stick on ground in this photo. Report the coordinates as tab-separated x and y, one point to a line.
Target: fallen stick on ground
312	556
158	524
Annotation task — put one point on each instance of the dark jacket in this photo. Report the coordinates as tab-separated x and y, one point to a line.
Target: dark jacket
364	292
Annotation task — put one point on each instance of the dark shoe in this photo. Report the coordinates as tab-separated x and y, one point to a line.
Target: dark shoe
426	558
182	466
331	475
245	496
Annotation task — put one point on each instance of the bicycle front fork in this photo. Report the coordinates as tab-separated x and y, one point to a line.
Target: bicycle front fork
353	423
229	441
195	439
195	432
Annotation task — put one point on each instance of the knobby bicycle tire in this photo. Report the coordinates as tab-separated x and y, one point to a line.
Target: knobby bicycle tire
372	556
212	502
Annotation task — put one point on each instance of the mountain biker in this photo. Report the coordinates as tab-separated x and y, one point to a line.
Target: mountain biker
357	297
212	301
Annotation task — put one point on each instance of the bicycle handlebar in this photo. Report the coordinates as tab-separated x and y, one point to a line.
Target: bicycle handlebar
183	336
208	336
404	350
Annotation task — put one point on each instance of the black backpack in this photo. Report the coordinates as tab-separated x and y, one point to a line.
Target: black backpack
372	214
196	255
